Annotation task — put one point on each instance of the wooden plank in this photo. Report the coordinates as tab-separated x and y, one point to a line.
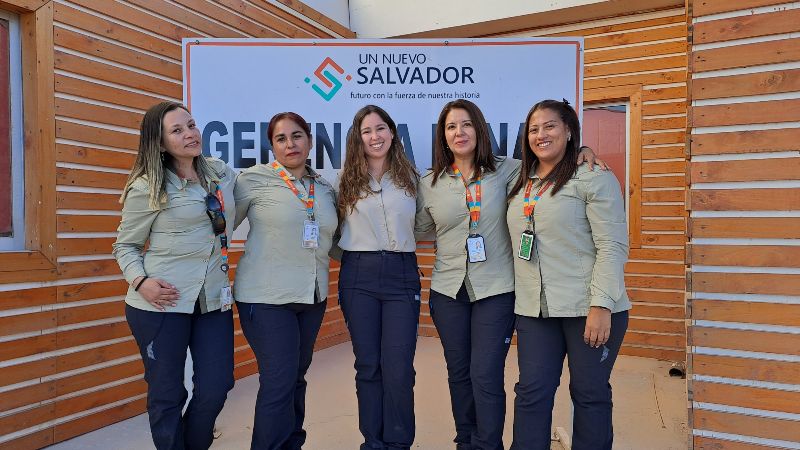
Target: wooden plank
97	420
664	211
664	311
35	440
71	316
657	325
746	55
26	323
663	239
742	113
27	371
748	312
761	83
748	26
667	297
112	52
678	224
25	276
624	26
654	353
659	167
69	85
83	200
746	397
675	31
69	223
639	51
655	109
746	368
745	227
88	246
91	268
223	15
116	32
290	28
117	75
95	135
87	291
20	348
80	154
755	141
26	418
778	199
657	254
642	65
668	181
25	298
746	170
92	334
664	123
769	428
99	377
746	283
676	195
188	18
675	76
747	340
633	337
90	178
655	268
708	443
665	93
27	395
97	355
140	19
708	7
99	114
669	137
745	255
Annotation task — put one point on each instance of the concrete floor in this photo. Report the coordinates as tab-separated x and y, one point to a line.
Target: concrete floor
650	408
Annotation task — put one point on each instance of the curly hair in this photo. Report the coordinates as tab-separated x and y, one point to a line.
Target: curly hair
354	177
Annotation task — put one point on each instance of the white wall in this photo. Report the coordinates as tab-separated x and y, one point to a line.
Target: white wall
383	18
337	10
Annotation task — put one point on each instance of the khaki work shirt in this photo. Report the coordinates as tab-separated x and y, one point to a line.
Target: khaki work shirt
183	250
275	268
443	208
580	248
383	220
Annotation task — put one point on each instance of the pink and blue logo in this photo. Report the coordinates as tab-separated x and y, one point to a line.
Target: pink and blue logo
331	82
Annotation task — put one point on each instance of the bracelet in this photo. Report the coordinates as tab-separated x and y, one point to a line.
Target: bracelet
140	283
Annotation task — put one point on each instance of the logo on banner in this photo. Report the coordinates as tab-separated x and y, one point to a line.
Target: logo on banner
331	82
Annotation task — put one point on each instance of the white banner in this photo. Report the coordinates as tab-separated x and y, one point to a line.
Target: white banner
234	86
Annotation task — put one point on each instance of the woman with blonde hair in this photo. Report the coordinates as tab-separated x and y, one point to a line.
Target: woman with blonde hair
379	287
179	296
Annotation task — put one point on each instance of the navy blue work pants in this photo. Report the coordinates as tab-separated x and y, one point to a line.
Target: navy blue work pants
379	296
475	337
163	339
282	338
542	344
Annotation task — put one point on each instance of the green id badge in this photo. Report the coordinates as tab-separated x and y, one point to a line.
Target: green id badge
526	245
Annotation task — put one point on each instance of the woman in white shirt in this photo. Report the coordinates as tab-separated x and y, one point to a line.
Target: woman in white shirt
379	283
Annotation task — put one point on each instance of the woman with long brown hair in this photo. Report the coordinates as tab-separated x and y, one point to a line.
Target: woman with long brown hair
179	296
379	283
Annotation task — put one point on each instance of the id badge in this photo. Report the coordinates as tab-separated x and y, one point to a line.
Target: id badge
526	245
476	250
226	298
310	234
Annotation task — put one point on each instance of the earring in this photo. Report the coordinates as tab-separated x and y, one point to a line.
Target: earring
569	137
162	156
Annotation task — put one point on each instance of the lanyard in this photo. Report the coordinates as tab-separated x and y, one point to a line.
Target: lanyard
528	205
473	205
223	238
309	202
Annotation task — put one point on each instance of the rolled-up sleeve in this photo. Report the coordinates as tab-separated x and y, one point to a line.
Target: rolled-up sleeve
133	232
606	214
242	196
423	221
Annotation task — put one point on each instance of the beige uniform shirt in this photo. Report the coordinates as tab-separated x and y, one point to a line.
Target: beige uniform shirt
383	220
183	250
581	246
275	268
443	208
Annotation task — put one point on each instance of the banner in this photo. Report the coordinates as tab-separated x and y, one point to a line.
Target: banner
234	86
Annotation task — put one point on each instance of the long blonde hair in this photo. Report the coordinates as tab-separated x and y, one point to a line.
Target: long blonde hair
354	178
152	161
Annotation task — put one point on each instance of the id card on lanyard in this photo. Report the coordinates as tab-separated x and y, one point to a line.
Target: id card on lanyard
526	240
476	248
310	235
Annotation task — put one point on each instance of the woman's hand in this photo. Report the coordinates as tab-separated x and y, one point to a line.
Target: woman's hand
598	326
158	293
586	155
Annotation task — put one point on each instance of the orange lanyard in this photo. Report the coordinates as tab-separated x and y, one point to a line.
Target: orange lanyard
309	202
528	204
473	205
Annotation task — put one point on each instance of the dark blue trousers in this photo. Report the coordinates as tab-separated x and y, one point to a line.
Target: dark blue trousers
163	339
379	296
282	338
475	337
542	344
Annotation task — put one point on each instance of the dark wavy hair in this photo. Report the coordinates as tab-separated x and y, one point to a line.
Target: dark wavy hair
565	169
294	117
484	159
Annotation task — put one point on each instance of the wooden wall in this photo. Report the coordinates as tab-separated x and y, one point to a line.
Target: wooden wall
744	288
642	59
68	364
